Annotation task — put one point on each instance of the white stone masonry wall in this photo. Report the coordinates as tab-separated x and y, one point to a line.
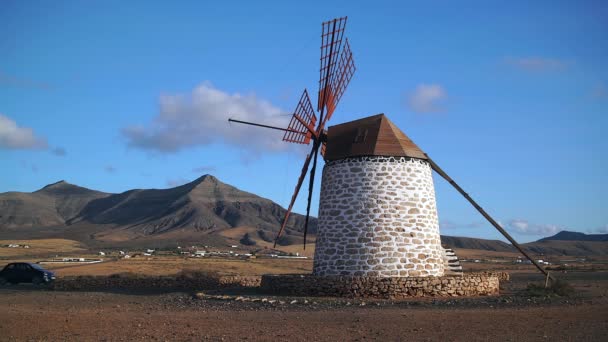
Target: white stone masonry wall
378	217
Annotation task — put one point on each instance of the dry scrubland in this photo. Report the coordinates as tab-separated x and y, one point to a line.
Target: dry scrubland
235	234
161	266
168	265
42	247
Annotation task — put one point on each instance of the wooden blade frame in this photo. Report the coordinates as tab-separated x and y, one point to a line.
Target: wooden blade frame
302	125
331	42
340	80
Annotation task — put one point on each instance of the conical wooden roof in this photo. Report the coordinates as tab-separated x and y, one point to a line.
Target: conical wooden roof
372	136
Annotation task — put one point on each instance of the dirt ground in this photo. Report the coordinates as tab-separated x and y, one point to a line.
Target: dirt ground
28	313
32	314
52	316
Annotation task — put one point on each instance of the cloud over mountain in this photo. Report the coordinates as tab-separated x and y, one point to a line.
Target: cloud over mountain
201	118
12	136
525	227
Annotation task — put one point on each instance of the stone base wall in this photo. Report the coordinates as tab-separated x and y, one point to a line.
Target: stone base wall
378	218
473	284
87	283
502	276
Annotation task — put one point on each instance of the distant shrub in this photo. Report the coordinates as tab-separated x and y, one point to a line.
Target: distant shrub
556	287
197	274
246	240
285	240
125	275
264	236
556	268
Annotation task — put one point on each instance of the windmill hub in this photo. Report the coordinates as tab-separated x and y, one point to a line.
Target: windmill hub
377	213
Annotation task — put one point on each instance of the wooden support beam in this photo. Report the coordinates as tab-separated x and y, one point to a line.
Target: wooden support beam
486	215
265	126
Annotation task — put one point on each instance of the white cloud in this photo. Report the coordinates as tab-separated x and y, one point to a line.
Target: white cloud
204	169
447	224
525	227
201	118
601	230
536	63
426	98
59	151
519	225
14	137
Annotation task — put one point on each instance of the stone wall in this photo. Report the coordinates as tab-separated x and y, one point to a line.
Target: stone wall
474	284
91	283
502	276
378	218
241	281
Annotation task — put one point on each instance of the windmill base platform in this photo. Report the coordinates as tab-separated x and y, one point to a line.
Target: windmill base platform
467	284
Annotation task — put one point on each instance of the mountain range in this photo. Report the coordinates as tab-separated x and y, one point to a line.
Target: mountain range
204	210
575	236
203	205
579	244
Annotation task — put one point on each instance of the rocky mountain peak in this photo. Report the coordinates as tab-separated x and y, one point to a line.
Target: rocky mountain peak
207	179
64	188
59	184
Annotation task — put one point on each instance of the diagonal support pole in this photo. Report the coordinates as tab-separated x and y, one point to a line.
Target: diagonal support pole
294	196
310	188
486	215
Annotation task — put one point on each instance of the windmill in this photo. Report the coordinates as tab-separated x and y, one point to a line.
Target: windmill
336	71
373	140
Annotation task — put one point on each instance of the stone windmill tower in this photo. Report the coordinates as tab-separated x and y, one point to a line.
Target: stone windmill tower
377	213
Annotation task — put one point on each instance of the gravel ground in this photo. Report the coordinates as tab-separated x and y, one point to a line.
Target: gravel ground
30	314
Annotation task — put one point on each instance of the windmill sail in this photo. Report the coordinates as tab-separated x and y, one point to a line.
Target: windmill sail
339	80
331	43
302	124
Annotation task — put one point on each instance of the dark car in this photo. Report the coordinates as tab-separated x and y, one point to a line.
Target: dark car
24	272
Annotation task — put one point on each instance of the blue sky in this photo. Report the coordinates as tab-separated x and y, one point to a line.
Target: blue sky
510	98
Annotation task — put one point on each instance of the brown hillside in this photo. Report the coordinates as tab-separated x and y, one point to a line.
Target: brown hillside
49	206
203	205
